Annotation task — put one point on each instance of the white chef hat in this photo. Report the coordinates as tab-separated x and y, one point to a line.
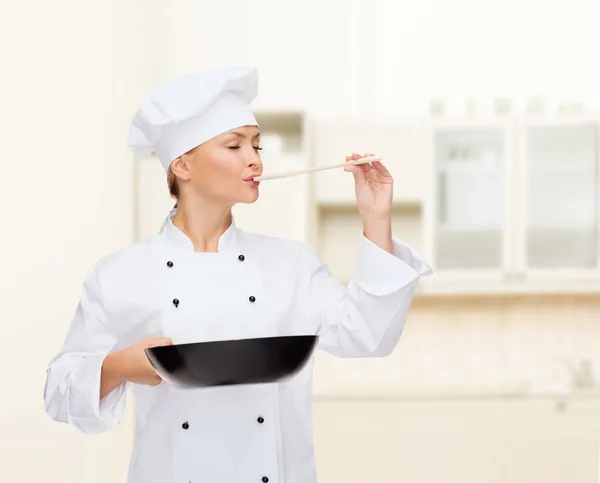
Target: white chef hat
191	109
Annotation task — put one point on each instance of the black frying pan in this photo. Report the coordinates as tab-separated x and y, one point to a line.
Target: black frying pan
226	362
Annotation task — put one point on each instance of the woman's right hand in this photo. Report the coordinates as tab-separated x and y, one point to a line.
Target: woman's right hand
135	364
131	365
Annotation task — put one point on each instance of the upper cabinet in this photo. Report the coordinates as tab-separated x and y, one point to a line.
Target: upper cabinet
512	206
470	168
559	194
401	145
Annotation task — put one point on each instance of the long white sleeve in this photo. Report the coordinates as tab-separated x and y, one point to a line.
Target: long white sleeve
72	390
366	318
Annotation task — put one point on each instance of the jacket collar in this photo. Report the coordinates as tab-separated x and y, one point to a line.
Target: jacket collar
177	237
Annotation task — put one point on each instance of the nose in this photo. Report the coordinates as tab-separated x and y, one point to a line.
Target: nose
254	160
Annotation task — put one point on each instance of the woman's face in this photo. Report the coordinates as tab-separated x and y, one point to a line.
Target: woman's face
221	169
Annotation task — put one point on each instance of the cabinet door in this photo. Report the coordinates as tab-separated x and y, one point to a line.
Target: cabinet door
468	214
561	197
402	147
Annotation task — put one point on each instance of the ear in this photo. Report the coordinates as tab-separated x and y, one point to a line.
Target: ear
181	167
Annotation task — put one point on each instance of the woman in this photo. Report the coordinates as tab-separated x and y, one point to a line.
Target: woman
201	278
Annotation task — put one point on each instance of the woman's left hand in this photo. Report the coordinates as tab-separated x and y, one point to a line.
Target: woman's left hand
373	186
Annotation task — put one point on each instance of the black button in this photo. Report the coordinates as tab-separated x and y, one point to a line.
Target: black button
252	298
185	425
265	479
175	302
169	264
241	258
261	419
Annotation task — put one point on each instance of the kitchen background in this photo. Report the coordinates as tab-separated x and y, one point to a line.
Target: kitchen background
487	114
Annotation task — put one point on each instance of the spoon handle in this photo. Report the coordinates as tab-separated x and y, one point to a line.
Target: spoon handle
368	159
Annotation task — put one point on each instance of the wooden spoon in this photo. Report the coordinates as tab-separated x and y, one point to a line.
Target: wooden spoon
355	162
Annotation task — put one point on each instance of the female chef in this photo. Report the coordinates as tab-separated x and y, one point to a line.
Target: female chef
202	278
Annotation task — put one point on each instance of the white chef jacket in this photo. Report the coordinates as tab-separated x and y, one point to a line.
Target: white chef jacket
230	434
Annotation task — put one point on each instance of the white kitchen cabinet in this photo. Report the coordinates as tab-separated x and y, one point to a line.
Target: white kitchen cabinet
513	206
559	216
337	222
401	145
467	223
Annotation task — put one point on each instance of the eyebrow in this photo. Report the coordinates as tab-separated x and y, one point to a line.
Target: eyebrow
242	135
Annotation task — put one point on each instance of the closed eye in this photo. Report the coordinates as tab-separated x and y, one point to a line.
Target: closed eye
238	147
